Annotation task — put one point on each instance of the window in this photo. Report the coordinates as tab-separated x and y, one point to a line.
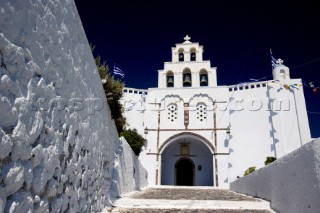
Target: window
201	111
172	113
283	74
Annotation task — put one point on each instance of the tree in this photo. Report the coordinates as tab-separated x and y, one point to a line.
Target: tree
113	91
134	139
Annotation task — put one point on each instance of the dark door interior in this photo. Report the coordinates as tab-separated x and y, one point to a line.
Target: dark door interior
184	172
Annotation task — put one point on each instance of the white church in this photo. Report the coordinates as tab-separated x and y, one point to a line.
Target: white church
199	133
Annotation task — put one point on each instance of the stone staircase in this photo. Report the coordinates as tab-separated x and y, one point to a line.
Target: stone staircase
188	200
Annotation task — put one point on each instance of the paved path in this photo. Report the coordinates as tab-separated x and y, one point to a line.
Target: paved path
188	200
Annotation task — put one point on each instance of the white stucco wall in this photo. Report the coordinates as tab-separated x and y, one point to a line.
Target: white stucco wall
134	103
291	184
128	173
53	157
260	128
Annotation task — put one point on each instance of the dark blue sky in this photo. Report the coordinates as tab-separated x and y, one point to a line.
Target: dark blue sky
236	36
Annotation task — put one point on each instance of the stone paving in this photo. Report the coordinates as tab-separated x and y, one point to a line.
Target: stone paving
191	194
189	200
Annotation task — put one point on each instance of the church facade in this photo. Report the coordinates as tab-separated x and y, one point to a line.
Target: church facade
199	133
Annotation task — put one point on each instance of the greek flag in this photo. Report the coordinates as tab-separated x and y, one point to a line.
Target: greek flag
273	60
118	71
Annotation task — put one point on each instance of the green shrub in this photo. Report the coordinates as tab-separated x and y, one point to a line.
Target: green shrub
249	170
134	139
269	160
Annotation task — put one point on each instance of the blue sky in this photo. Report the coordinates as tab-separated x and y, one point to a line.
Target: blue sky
236	35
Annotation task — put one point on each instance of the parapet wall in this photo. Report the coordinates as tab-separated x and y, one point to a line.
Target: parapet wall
128	173
58	141
291	183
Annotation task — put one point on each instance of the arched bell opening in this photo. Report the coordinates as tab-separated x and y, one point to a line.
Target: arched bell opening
170	79
181	54
193	54
203	77
187	81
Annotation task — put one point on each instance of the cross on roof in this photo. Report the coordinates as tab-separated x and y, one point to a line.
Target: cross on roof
279	61
187	38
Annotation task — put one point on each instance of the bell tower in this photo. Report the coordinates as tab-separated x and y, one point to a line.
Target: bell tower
187	67
280	71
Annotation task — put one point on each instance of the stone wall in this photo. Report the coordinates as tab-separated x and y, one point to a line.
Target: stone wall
291	183
58	141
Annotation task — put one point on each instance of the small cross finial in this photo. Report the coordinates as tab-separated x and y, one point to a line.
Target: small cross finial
187	38
279	61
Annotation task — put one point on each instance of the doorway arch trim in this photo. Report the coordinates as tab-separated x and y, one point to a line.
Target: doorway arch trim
183	134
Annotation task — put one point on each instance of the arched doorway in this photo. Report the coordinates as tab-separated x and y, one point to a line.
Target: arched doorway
184	172
188	156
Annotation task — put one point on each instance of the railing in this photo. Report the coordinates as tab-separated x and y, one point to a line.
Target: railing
246	86
135	91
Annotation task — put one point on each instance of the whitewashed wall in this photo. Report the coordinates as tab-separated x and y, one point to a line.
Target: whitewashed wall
134	103
291	184
128	173
262	128
56	158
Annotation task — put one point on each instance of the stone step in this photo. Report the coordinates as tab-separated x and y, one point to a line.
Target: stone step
150	210
147	205
188	199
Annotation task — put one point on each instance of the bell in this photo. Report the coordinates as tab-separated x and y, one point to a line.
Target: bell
193	56
170	80
203	79
187	79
